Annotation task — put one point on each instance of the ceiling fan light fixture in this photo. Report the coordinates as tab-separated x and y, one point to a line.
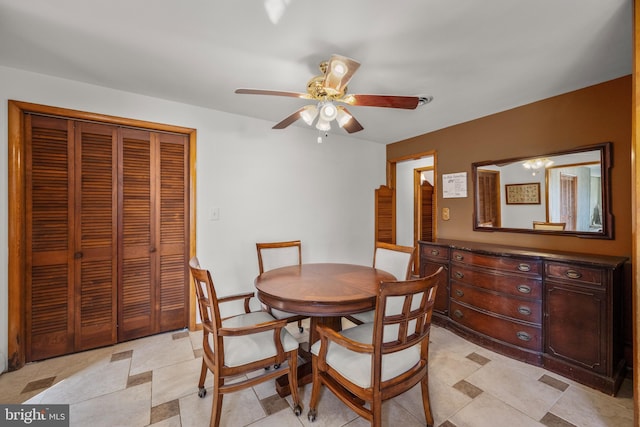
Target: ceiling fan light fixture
328	111
323	124
343	117
309	114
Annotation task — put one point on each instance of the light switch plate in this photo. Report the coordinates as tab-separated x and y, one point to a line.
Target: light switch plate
214	214
445	214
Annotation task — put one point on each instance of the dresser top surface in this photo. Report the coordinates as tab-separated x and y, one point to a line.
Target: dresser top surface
610	261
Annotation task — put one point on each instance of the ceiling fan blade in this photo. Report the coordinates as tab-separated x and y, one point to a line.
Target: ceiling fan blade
289	120
339	71
352	125
272	92
387	101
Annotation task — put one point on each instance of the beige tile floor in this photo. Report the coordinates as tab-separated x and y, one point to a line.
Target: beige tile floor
153	381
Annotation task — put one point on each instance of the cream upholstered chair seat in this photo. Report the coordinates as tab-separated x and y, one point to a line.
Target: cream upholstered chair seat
356	367
244	349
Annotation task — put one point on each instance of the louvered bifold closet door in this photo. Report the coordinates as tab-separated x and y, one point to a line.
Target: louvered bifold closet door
71	250
173	231
153	275
385	215
137	297
49	292
95	253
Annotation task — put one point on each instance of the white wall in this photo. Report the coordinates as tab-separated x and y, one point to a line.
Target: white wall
521	216
267	184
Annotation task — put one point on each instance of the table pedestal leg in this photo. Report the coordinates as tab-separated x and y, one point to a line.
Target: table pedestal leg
305	374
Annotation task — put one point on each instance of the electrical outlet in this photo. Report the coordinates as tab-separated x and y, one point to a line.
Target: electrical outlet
445	214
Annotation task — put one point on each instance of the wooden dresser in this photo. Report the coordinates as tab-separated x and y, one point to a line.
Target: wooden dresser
559	310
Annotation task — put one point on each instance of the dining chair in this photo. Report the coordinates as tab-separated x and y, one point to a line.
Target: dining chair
239	350
555	226
370	363
280	254
394	259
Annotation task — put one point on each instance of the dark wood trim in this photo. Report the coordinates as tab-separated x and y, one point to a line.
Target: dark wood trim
635	194
16	214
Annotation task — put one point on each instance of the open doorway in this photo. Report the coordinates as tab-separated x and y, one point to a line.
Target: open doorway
411	190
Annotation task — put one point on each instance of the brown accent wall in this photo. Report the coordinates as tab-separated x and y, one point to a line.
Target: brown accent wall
587	116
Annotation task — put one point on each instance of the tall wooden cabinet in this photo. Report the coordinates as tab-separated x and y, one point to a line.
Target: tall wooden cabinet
106	234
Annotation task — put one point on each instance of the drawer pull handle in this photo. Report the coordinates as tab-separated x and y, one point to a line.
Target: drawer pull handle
573	274
459	274
524	310
523	336
459	292
458	314
435	252
458	257
524	289
524	267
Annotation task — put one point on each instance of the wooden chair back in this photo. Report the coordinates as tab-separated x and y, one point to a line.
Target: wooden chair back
278	254
555	226
394	259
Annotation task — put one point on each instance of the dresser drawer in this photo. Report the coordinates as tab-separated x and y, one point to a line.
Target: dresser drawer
518	285
573	273
516	308
439	253
511	332
514	265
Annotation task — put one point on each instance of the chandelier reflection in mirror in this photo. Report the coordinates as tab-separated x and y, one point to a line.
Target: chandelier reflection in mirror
536	164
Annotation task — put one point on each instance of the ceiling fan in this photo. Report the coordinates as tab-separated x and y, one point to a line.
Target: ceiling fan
329	89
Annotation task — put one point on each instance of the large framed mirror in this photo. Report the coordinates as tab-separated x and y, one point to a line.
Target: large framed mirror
563	193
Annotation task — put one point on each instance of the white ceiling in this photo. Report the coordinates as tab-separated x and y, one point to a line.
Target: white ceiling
474	57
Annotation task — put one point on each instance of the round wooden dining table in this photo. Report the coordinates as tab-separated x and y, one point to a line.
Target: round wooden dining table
325	292
321	290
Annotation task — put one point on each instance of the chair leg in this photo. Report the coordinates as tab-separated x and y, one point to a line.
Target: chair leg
216	405
203	376
426	402
293	382
315	391
300	328
376	412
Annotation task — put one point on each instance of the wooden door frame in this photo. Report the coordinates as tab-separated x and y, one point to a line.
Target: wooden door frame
16	212
391	183
635	205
